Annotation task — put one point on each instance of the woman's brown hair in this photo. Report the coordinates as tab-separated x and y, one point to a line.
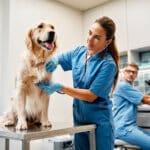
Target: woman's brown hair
110	28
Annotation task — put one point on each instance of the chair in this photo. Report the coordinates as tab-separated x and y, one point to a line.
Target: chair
122	145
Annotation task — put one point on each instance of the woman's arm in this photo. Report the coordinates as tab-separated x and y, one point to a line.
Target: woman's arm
82	94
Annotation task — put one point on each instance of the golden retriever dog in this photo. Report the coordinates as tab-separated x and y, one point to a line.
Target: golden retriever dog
29	104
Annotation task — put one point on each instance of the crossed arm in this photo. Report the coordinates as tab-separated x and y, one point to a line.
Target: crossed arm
146	99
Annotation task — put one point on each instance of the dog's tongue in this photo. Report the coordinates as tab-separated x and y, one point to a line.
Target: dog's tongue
49	46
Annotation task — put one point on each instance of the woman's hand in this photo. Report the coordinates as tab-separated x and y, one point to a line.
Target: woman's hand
49	87
51	65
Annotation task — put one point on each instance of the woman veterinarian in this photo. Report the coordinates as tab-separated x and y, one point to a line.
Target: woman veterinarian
95	71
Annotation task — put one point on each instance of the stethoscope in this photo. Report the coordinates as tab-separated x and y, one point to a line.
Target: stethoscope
84	70
103	54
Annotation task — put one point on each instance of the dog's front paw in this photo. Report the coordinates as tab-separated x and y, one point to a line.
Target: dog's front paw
21	125
6	121
9	122
46	123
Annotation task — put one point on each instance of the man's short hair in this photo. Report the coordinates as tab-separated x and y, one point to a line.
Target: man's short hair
131	64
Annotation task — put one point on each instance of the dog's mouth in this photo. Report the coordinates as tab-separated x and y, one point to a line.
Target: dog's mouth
49	45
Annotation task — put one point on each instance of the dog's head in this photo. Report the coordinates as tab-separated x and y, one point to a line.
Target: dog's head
42	40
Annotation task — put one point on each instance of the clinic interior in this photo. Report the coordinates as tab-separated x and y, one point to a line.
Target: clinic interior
72	20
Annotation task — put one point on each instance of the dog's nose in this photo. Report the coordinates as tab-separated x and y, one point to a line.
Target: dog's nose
51	36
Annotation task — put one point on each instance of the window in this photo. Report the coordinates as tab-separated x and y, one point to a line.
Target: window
123	60
144	58
140	83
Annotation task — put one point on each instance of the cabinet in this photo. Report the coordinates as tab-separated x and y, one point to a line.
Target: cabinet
138	23
139	83
141	56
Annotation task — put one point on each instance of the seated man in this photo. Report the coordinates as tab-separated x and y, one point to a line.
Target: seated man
125	104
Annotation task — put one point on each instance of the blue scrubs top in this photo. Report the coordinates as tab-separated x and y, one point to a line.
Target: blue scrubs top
125	102
98	78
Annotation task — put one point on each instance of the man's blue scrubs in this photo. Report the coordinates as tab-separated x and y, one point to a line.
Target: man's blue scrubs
126	100
97	75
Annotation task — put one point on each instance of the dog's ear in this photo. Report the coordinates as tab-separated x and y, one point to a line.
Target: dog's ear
29	40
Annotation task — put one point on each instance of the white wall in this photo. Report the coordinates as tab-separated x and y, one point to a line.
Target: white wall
138	14
0	46
131	18
4	44
23	14
116	11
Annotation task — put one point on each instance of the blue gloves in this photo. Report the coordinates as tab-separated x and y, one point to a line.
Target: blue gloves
51	65
49	87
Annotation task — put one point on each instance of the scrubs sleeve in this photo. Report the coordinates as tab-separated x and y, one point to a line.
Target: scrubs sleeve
129	93
103	81
65	60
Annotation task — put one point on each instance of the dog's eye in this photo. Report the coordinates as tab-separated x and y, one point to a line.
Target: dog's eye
40	26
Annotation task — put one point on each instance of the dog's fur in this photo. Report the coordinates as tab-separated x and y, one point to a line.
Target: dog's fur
29	104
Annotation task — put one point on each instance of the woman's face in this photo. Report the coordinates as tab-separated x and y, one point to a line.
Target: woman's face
96	41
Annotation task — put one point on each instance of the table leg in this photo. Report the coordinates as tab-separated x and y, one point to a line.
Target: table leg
6	144
92	140
25	145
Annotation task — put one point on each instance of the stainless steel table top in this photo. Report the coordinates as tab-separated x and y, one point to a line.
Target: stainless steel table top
39	132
